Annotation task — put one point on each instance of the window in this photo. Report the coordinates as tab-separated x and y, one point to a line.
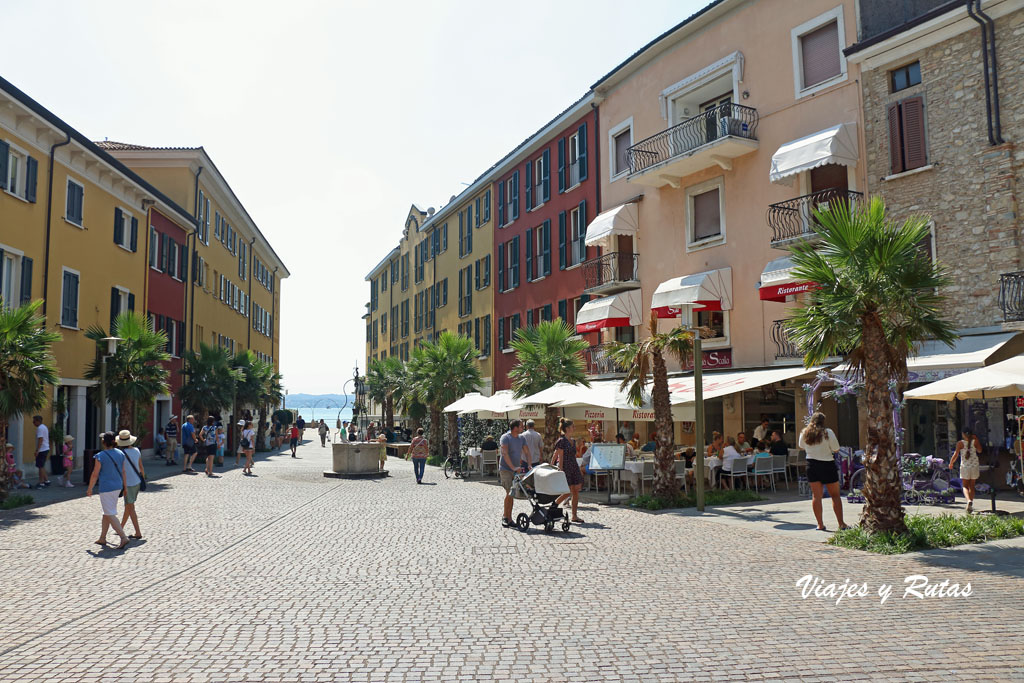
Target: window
172	257
182	262
121	301
907	143
126	229
620	139
75	201
715	321
18	172
704	214
572	159
905	76
206	224
509	198
154	248
485	334
818	60
69	299
15	279
572	237
538	181
487	206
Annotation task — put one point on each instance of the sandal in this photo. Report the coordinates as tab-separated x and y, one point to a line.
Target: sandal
578	520
124	544
135	536
820	528
844	527
507	523
103	542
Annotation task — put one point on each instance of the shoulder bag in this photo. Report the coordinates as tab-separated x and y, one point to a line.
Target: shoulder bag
142	479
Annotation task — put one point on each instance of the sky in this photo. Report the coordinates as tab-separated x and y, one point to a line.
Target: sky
328	119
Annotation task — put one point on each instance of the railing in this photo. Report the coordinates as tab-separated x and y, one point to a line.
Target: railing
724	120
780	336
1011	296
598	363
617	266
795	217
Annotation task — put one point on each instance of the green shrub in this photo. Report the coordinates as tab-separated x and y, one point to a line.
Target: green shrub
436	460
16	501
925	531
711	498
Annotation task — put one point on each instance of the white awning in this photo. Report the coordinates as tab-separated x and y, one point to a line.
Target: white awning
710	291
835	145
999	379
724	383
622	220
606	400
618	310
470	401
777	281
502	404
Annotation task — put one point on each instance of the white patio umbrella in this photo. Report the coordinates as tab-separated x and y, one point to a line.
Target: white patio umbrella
1005	378
502	404
470	401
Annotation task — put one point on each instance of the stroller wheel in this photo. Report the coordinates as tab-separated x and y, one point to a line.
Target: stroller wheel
565	525
523	521
549	526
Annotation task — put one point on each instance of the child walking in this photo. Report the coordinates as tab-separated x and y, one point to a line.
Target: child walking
69	460
222	442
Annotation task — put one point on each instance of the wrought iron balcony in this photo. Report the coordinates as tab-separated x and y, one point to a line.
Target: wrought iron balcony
713	137
794	218
610	273
780	337
1011	296
598	363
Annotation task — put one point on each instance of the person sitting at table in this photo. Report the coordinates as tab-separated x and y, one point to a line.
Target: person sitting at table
635	441
778	445
714	449
760	451
489	444
630	454
652	443
741	443
729	453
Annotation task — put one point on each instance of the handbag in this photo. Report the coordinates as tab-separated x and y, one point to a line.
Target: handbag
142	479
121	493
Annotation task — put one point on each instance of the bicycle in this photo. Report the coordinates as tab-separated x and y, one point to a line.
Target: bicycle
457	466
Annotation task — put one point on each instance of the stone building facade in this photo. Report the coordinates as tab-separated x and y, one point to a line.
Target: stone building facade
967	185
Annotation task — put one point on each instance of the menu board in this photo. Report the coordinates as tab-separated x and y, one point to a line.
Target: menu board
607	456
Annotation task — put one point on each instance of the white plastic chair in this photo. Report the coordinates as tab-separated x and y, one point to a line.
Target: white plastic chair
763	467
488	459
779	467
737	467
681	474
647	474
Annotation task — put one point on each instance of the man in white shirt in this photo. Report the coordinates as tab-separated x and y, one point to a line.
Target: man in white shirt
535	442
42	450
762	431
729	453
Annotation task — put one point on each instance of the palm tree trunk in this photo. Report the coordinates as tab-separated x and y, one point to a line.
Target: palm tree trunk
453	433
883	492
436	431
551	415
389	412
124	415
260	429
4	481
664	469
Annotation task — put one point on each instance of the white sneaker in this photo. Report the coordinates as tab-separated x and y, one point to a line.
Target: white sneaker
68	485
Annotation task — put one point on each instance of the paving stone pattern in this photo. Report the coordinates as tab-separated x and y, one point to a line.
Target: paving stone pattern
289	576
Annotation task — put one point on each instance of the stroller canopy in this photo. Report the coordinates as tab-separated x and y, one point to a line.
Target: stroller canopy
548	480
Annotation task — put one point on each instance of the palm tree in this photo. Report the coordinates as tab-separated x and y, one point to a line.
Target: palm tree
209	380
386	380
644	361
272	393
877	295
27	367
546	355
135	373
441	372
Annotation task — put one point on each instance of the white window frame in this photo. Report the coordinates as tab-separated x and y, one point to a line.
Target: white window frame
538	182
126	229
154	244
509	198
16	256
835	14
715	342
122	302
17	154
173	254
572	154
615	131
68	220
694	190
78	301
573	236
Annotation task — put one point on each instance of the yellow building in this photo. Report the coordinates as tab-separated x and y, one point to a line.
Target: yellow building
233	297
438	278
74	234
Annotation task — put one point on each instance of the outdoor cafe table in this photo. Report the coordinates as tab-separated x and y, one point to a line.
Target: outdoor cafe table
476	458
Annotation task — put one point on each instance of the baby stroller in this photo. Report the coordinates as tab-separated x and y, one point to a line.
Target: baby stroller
541	486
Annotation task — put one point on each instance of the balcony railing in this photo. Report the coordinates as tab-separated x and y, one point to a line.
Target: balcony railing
724	120
794	218
598	363
1011	296
610	270
784	348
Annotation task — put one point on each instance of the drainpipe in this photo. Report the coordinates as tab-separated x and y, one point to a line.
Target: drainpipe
985	68
995	74
49	215
194	264
248	306
273	311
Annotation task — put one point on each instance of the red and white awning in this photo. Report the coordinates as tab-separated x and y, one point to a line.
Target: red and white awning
618	310
709	291
778	283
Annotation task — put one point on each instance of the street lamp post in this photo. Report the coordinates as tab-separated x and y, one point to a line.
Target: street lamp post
698	418
111	350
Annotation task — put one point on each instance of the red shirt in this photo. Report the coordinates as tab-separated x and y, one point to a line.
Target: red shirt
295	432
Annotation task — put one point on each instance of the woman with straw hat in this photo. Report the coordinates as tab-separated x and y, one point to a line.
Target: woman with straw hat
133	474
108	479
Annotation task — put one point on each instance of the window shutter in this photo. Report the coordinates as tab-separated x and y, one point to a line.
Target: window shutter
546	178
165	243
182	261
461	293
820	54
914	151
65	313
131	301
31	178
515	195
583	151
469	290
501	333
477	212
5	155
561	241
895	139
487	206
469	231
583	231
529	253
561	164
476	273
547	247
529	318
546	312
515	261
584	298
501	203
529	186
26	279
115	302
501	267
135	234
444	242
487	270
118	227
181	339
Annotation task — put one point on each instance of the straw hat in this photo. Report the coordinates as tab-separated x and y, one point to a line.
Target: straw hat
68	438
125	438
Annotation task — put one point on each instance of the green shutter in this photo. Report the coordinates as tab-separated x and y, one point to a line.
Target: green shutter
561	164
135	234
31	179
582	132
118	227
529	254
529	188
5	152
561	241
26	279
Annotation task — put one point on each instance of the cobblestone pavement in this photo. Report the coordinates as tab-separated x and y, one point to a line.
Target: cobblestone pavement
289	576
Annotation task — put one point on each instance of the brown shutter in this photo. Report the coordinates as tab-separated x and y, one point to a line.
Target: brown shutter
895	140
820	54
914	153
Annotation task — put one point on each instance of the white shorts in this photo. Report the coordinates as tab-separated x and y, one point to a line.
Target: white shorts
108	499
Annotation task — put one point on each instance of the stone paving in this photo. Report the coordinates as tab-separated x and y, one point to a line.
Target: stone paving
289	576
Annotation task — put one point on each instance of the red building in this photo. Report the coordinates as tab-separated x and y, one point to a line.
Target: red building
542	207
165	305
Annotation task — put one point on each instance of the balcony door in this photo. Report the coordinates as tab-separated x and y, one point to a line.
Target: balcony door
832	181
714	111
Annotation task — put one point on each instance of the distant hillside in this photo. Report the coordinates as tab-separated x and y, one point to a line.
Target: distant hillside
306	400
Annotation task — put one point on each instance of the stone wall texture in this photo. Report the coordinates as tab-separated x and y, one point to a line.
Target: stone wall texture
972	191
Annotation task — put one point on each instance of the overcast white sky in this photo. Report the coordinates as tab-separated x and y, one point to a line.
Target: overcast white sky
328	118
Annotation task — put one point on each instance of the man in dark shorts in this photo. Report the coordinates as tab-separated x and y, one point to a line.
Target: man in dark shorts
42	450
513	451
294	439
188	442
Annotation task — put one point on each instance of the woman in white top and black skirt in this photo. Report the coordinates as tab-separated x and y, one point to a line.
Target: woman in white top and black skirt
821	445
